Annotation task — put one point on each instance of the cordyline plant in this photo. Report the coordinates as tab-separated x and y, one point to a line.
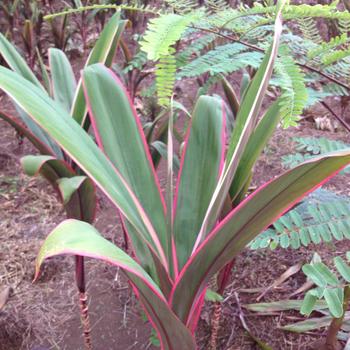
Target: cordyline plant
76	191
179	243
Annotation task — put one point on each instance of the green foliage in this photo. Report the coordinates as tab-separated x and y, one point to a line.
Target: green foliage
308	147
309	30
165	78
325	47
163	32
290	79
330	286
182	6
335	56
225	59
313	223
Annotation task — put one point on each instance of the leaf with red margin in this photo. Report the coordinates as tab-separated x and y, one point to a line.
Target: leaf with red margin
245	124
245	222
103	52
24	131
201	165
119	134
82	149
74	237
78	193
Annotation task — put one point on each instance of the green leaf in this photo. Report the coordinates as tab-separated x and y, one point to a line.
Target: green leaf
68	186
202	162
334	301
79	145
308	303
321	274
24	131
343	268
245	124
255	146
163	32
63	79
210	295
283	305
245	222
308	325
105	95
16	62
161	148
78	193
74	237
103	52
44	73
18	65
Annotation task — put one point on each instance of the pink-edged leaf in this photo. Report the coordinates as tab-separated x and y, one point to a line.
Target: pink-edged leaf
103	52
77	193
201	165
119	134
24	131
245	222
79	146
73	237
245	124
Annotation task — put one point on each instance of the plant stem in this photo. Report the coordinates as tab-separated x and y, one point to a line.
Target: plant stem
331	340
336	116
84	308
215	325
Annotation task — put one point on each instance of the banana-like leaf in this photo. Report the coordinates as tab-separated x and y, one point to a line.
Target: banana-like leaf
246	221
63	79
74	237
18	65
77	193
82	149
24	131
201	164
115	125
245	125
103	52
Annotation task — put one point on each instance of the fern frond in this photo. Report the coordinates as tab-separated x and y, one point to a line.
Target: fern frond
223	59
165	78
182	6
335	90
290	79
325	47
309	29
164	31
335	56
319	223
217	5
194	47
137	62
308	147
344	25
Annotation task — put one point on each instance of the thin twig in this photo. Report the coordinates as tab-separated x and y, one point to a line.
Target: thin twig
336	116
